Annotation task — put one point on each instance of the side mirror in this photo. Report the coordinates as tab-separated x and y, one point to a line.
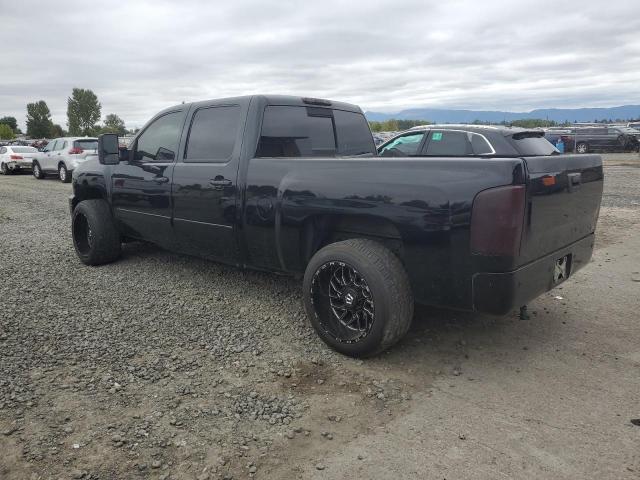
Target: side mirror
108	151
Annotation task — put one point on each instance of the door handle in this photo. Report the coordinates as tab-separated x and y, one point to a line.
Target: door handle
220	182
161	179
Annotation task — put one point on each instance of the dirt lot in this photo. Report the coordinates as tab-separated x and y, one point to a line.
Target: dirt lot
165	366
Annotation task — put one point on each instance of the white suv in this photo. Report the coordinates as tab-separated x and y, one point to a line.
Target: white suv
62	155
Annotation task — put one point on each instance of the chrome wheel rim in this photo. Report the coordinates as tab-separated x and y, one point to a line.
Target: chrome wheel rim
63	174
342	301
36	170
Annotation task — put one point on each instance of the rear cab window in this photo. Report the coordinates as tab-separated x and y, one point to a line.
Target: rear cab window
301	131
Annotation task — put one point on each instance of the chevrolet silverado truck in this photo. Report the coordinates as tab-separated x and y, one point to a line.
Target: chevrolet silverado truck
295	186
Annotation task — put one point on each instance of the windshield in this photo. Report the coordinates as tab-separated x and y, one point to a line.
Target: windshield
24	149
628	130
532	144
88	144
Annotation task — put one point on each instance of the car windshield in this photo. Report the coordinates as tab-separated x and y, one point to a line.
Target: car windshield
532	144
24	149
89	144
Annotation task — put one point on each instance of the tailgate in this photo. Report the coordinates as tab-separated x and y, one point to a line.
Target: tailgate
563	202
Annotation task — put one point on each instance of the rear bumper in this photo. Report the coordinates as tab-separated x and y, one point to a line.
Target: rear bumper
500	293
19	165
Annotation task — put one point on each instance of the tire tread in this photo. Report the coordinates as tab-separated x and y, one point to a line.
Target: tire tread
106	236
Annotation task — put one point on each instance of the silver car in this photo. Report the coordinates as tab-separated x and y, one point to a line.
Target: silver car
62	155
14	158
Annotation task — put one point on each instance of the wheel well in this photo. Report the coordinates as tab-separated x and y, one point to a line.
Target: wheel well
321	230
85	192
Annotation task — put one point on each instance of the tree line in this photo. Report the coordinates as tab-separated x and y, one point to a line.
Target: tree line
83	116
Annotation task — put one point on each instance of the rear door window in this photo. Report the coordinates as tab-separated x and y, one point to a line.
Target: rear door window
213	133
405	145
448	143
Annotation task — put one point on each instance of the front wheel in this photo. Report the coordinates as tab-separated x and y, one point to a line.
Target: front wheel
63	173
4	169
95	236
358	297
37	171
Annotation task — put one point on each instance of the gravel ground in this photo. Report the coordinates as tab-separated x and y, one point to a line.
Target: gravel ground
166	366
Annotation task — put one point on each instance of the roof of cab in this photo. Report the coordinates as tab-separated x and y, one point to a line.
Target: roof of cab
279	100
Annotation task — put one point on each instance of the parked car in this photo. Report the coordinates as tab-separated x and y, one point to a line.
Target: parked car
467	141
62	155
600	139
293	185
552	135
15	158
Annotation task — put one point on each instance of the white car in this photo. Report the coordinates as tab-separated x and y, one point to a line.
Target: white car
14	158
62	155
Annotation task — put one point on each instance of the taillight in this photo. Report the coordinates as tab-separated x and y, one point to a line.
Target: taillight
16	157
497	220
75	151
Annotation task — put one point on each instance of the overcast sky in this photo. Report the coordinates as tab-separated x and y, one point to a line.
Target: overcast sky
140	57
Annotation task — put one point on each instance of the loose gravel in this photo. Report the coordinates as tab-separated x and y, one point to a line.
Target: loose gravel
158	364
169	367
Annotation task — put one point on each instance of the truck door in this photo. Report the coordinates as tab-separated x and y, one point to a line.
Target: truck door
141	186
205	189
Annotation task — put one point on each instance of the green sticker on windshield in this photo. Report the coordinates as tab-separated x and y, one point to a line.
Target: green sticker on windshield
436	137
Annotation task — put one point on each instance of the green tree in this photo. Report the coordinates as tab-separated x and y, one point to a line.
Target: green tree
6	133
83	112
533	123
393	125
114	124
38	119
12	122
57	131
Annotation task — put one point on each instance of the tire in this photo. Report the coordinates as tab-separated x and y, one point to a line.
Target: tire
37	171
63	173
582	147
4	169
380	293
95	236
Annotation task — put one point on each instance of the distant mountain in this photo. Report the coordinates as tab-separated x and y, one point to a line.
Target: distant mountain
467	116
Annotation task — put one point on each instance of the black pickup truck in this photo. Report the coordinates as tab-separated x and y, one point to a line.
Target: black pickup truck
296	186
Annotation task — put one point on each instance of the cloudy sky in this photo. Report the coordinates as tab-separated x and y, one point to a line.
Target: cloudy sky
140	57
